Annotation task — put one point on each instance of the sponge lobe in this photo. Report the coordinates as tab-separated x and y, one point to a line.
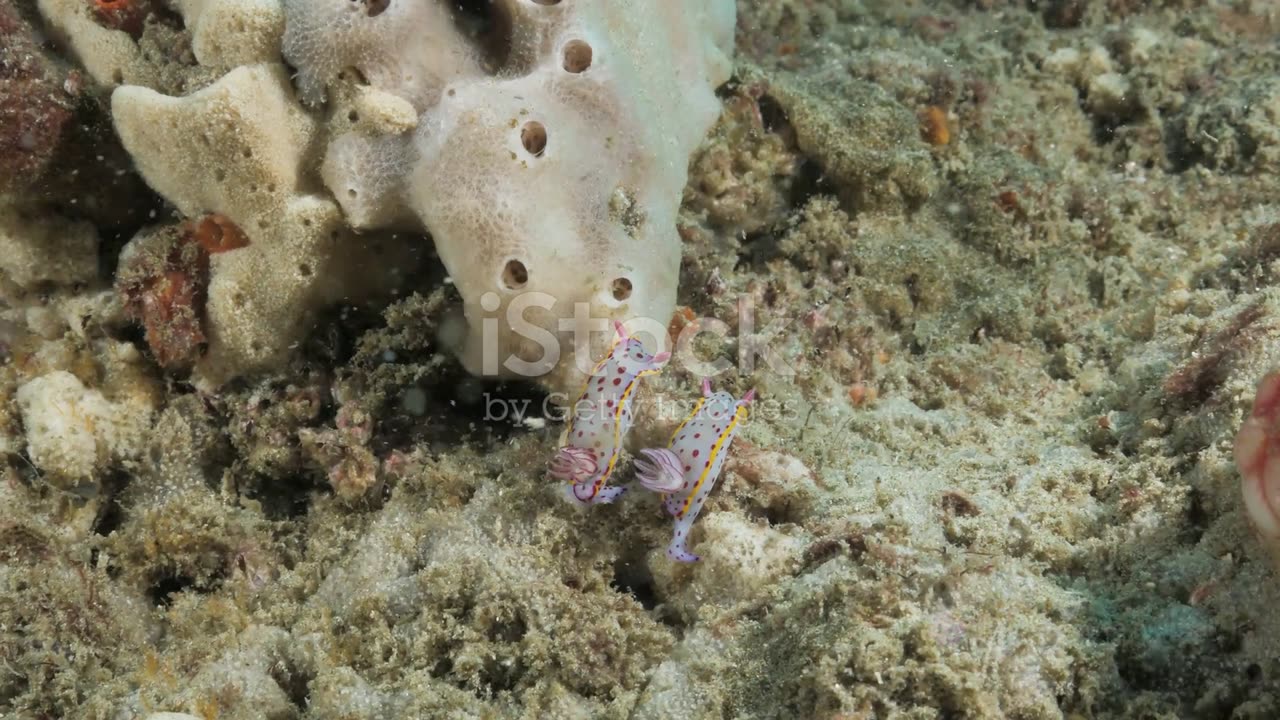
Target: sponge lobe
365	173
240	148
524	229
408	47
551	187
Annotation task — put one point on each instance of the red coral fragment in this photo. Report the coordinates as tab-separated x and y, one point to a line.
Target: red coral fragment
169	310
168	289
127	15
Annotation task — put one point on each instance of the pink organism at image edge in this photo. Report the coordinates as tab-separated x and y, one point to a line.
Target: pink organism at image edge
1257	452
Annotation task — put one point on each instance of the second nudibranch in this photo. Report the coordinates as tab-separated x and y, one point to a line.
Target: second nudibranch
686	471
600	419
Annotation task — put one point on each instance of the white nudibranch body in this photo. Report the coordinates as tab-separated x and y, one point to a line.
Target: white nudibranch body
601	417
686	471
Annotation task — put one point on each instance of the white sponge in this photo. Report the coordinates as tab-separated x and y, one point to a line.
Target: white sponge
408	47
551	187
544	148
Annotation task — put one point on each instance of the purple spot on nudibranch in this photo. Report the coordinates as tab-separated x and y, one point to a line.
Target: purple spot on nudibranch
697	435
695	453
616	381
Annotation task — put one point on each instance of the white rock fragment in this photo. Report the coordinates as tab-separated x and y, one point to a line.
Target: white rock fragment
1109	94
73	432
1079	67
1142	44
742	559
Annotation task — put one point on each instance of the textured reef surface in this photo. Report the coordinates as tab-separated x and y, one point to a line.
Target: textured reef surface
1002	274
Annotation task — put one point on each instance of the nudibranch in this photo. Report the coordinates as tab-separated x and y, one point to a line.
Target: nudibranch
592	441
686	471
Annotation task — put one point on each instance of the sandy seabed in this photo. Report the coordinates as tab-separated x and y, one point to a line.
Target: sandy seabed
1018	266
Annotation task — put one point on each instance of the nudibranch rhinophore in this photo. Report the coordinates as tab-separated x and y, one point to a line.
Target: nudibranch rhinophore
686	471
601	417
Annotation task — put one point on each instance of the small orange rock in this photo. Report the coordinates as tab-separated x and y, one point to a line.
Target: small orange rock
862	394
934	126
217	234
1007	201
680	319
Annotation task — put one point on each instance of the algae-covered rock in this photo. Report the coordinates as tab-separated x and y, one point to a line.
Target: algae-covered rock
867	143
37	250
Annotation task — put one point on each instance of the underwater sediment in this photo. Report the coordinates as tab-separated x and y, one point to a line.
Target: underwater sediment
1010	267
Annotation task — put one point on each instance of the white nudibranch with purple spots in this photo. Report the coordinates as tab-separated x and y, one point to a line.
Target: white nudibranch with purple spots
686	471
592	442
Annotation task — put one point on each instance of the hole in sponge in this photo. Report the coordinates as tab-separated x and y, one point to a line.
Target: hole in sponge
515	275
547	2
577	56
374	8
621	289
534	137
488	25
